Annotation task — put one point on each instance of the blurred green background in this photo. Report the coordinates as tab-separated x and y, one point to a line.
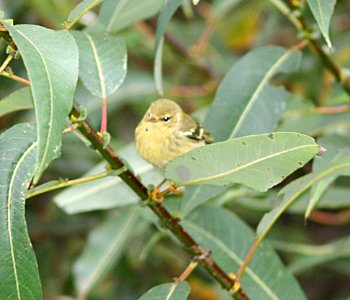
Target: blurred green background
212	35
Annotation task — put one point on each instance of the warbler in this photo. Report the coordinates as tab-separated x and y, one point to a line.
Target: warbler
166	132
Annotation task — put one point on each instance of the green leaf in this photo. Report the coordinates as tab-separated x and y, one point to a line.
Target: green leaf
118	14
20	99
336	146
19	276
197	195
104	247
51	60
313	256
322	11
257	161
158	72
317	191
168	291
334	197
167	11
81	9
111	191
229	240
295	189
245	103
313	123
102	61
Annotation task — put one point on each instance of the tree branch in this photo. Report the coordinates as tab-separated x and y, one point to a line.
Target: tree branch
171	223
168	221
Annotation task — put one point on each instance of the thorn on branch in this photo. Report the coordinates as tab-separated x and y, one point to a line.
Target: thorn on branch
203	254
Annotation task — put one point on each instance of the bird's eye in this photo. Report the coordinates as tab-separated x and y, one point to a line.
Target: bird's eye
166	119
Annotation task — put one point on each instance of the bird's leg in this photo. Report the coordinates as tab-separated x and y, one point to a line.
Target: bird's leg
156	195
174	189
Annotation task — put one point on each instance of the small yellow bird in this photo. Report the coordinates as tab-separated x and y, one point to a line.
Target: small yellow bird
166	132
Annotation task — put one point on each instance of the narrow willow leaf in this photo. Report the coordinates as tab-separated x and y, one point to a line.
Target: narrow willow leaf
245	103
197	195
104	247
102	62
51	60
167	11
81	9
257	161
313	123
295	189
20	99
168	291
320	255
229	240
158	72
317	191
118	14
111	191
334	197
322	11
19	276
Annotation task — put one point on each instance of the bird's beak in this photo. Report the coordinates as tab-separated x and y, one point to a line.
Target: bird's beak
152	119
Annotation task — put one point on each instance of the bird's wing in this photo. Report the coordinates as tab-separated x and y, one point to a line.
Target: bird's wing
191	129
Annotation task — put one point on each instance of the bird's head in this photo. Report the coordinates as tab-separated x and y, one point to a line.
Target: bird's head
163	114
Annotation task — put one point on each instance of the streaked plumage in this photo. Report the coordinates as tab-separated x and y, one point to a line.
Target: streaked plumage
166	132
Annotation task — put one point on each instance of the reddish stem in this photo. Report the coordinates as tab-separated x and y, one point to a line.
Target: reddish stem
104	115
327	218
248	258
15	78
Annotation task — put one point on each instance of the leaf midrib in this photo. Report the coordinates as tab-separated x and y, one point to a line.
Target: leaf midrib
321	15
42	160
232	255
116	12
9	222
258	90
109	182
232	171
172	290
99	66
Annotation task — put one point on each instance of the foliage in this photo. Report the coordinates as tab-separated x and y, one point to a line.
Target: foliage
272	106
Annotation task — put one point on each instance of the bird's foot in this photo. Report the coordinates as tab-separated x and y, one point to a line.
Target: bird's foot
174	189
156	195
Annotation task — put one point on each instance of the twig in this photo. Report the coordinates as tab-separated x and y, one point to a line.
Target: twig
328	218
104	115
6	63
15	78
314	43
41	189
187	271
193	91
179	47
327	110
